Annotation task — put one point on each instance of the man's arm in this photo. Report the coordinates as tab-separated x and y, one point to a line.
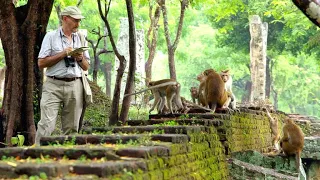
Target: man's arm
52	60
83	62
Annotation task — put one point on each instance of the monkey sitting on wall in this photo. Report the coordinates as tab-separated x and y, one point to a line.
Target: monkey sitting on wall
202	79
194	94
215	94
292	141
227	79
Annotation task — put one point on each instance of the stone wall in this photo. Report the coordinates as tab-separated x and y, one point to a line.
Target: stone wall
192	146
249	130
202	157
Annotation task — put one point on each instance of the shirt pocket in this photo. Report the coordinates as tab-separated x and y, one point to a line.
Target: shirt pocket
56	48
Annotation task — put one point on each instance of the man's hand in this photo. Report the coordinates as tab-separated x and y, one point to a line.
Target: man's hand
78	57
68	50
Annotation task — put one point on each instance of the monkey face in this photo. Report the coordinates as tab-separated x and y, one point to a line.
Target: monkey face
225	77
200	76
194	90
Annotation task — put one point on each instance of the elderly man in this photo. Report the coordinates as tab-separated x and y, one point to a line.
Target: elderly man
63	86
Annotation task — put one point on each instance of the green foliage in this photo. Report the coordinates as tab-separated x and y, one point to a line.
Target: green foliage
137	112
21	3
216	35
70	142
295	81
18	140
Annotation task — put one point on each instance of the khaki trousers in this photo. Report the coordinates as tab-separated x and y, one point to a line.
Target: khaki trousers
54	93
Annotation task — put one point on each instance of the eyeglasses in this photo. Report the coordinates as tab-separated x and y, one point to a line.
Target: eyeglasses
75	20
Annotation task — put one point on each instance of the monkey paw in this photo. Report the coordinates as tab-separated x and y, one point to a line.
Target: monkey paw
236	110
229	111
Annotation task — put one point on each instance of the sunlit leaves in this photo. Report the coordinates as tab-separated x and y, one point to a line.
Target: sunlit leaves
19	3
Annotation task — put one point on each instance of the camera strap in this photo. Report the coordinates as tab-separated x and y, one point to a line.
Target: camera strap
61	36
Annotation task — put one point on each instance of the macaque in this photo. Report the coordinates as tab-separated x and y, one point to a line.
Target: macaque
274	131
227	79
215	94
164	90
292	141
194	94
201	99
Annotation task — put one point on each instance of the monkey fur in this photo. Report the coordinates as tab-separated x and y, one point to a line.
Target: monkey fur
194	94
215	94
167	90
201	98
292	141
227	79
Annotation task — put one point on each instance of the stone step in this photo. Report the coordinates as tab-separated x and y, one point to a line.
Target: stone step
111	139
87	152
243	170
179	129
190	115
187	121
14	169
60	152
311	148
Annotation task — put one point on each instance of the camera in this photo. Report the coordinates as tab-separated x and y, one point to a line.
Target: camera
69	61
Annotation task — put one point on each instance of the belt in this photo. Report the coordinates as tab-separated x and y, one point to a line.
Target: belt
64	79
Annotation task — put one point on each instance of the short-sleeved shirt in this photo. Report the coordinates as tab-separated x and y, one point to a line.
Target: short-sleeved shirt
53	43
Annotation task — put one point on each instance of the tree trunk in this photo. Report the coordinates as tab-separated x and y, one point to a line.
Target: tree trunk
22	30
132	63
108	68
303	5
246	97
57	6
172	66
151	44
113	118
172	47
97	52
268	78
95	67
275	98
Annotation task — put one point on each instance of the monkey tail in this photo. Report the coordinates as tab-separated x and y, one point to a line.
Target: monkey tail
298	160
152	87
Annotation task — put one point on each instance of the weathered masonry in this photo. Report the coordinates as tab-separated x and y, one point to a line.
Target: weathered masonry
191	146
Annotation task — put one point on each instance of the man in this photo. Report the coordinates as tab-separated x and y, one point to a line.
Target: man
63	83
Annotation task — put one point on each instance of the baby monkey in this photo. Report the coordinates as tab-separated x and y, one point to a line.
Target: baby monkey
194	94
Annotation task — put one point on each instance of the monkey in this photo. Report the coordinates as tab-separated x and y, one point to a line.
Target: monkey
163	90
227	79
274	131
292	141
176	99
163	94
194	94
215	94
201	99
